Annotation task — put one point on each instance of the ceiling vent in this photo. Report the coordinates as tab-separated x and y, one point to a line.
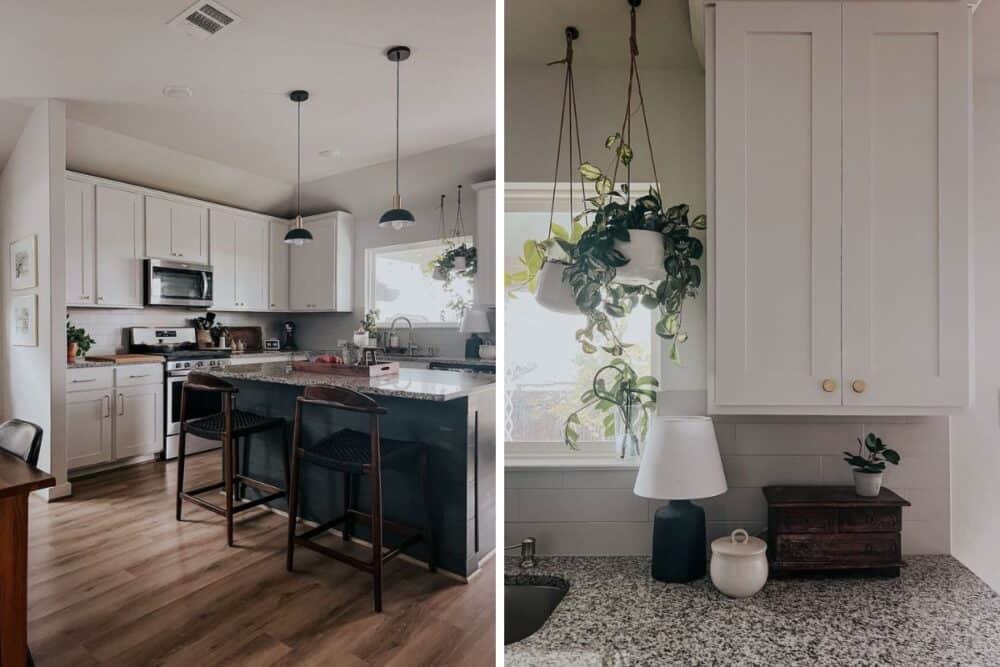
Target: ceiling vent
205	19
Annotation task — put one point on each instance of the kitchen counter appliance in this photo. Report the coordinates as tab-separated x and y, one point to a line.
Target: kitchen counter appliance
181	354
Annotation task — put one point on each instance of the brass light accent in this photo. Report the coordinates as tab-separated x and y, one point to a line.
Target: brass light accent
859	386
829	385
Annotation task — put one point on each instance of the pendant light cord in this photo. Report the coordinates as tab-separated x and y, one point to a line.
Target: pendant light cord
397	127
298	171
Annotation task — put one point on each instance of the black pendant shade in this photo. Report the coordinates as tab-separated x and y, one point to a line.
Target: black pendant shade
397	217
298	234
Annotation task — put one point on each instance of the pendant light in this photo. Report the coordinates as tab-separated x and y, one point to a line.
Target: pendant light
397	217
298	234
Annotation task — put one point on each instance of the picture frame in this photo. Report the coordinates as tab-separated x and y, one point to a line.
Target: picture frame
24	320
24	263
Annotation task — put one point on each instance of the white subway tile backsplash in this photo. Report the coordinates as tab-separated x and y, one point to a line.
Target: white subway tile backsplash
784	439
596	539
581	505
530	479
737	504
765	470
599	479
511	507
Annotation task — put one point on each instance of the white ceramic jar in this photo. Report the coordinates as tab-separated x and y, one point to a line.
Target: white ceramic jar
739	564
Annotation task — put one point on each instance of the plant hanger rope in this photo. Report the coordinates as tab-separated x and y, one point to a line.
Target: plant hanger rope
459	230
568	114
625	136
444	231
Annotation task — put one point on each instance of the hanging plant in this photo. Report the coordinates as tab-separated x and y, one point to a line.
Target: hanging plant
458	260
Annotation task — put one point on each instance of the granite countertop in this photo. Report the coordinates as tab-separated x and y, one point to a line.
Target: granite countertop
415	383
464	361
84	363
937	612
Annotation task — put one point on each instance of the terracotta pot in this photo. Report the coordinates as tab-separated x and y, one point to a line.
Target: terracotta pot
72	349
644	250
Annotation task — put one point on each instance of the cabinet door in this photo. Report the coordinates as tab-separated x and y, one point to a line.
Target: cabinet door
222	255
189	232
278	267
119	247
906	197
158	228
486	243
138	420
88	416
251	259
80	243
313	269
777	232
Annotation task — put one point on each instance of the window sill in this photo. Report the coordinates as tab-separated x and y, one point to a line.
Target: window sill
549	456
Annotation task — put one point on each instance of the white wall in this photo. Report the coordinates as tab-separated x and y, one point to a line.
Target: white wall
367	193
975	452
32	201
595	512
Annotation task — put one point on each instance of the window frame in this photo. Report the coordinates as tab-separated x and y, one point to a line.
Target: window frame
371	253
535	197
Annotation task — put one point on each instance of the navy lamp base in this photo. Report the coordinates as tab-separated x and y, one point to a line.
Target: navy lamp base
679	542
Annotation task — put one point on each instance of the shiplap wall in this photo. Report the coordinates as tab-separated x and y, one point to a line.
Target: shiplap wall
594	512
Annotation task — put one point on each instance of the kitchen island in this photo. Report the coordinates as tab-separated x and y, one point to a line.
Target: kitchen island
453	413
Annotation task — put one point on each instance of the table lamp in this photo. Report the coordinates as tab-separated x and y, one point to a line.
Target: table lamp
474	321
681	461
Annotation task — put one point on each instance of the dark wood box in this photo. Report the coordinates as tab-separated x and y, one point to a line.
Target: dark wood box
816	528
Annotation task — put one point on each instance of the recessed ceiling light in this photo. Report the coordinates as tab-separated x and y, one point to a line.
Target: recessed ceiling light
331	152
177	92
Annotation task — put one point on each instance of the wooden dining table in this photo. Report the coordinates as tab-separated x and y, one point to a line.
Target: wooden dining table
17	480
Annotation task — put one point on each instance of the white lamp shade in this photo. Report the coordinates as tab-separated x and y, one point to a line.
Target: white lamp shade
681	460
474	321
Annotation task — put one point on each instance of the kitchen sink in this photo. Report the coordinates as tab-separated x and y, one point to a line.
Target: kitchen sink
528	603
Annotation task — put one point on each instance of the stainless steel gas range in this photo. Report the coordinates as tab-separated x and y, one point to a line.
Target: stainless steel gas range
178	347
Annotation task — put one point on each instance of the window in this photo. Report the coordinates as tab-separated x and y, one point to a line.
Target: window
399	282
545	369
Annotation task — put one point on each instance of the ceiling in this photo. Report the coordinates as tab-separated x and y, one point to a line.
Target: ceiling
534	32
111	59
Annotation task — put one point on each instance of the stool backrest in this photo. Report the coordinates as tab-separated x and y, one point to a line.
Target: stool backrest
341	398
205	382
22	439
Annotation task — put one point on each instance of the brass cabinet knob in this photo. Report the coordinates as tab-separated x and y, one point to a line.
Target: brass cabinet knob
829	385
859	386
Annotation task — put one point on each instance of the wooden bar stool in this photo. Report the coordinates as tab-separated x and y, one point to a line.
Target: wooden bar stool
228	427
354	453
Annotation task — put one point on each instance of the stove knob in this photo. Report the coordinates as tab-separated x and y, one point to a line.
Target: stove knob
187	364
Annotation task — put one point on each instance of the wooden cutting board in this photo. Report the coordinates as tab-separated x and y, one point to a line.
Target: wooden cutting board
127	358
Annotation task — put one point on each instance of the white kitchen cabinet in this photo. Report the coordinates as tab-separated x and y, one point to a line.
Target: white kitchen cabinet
138	420
81	248
176	230
89	421
238	252
278	253
321	273
838	207
119	242
486	280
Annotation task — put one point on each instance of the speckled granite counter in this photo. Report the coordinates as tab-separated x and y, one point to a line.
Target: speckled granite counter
84	363
415	383
936	613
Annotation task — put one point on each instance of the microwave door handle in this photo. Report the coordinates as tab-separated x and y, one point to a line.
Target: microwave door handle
204	285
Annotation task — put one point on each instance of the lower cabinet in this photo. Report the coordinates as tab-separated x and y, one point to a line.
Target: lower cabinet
89	422
138	420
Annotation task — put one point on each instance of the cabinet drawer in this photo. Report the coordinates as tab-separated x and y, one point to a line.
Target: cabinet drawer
138	374
807	520
870	520
89	379
839	549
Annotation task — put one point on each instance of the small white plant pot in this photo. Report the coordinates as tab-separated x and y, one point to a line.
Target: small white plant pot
553	293
459	264
867	484
644	250
361	339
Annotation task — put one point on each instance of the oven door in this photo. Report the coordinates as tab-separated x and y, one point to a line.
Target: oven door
200	404
178	284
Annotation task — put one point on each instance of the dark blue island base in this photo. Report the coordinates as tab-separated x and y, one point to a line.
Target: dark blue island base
462	465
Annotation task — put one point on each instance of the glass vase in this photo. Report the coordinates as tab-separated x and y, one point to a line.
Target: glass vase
628	431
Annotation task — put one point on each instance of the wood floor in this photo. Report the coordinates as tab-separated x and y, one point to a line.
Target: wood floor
115	580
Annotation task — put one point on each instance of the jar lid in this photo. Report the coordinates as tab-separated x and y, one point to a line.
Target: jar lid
739	543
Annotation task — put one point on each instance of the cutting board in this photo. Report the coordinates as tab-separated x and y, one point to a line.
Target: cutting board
127	358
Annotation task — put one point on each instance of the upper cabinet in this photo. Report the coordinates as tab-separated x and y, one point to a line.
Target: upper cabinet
238	253
104	242
838	152
321	275
486	280
176	230
278	267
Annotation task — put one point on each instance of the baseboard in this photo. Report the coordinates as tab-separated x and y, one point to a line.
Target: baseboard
55	492
89	471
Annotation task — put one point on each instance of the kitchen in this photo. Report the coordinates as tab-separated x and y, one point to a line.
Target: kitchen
229	192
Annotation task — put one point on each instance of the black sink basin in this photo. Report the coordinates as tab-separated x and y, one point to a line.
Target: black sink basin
528	603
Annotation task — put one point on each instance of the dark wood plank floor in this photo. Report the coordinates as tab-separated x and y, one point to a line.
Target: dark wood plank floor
115	580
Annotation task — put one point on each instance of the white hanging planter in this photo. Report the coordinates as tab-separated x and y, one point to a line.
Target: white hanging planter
552	292
459	263
644	250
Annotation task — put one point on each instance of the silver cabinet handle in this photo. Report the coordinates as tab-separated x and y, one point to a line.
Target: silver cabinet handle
121	405
86	380
136	377
107	406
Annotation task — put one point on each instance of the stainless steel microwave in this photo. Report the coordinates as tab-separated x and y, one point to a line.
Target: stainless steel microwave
178	284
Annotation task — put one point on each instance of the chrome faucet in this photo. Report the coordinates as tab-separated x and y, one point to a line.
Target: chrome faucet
410	347
527	547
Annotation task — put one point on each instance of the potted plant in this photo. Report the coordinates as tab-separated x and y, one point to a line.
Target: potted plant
367	333
457	260
78	341
543	264
869	464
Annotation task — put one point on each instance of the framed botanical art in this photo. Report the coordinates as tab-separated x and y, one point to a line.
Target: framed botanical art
24	320
24	263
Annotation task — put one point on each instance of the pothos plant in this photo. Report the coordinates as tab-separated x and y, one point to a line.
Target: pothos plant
446	268
591	270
